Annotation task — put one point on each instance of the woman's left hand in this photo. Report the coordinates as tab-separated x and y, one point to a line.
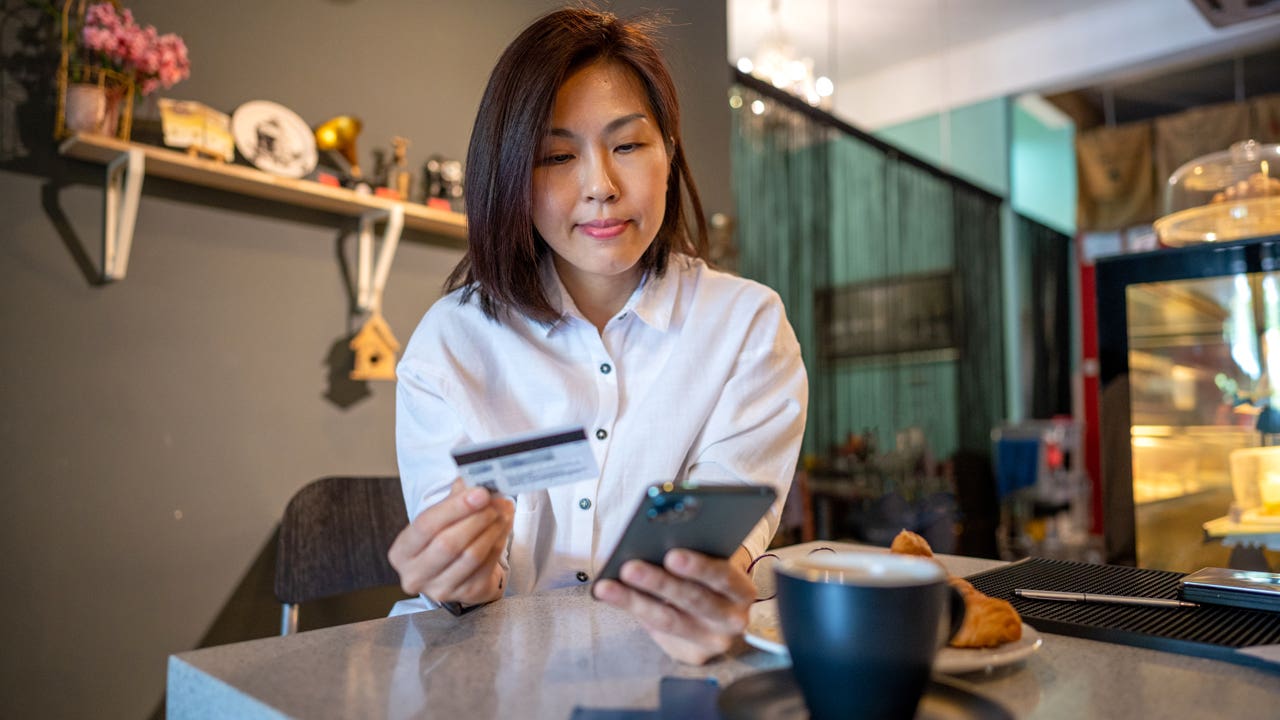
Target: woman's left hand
694	606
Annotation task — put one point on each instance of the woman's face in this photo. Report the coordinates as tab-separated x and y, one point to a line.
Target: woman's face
600	178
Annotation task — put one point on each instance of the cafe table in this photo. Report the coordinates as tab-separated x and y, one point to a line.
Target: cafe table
548	654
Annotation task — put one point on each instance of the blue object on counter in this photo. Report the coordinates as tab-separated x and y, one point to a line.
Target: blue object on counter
689	698
581	713
683	698
1017	464
1268	420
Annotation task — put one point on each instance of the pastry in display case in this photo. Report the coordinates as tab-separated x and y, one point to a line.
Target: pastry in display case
1196	384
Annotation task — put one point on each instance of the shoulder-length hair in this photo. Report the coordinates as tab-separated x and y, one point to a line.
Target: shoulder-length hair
504	250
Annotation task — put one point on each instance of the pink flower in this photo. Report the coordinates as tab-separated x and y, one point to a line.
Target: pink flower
119	42
98	39
104	16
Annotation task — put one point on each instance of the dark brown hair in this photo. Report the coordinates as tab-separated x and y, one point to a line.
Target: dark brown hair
504	250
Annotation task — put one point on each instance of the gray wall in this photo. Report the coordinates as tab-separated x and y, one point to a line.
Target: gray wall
153	429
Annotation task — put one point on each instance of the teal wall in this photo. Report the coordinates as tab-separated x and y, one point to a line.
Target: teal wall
970	141
921	137
1000	146
1043	171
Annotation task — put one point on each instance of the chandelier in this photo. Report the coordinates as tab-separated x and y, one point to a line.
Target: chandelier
777	63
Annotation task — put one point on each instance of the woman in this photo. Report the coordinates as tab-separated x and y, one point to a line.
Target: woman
583	300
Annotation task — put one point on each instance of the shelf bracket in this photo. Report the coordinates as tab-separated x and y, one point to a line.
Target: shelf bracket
372	279
124	188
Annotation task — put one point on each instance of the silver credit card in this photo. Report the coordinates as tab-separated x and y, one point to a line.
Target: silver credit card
529	461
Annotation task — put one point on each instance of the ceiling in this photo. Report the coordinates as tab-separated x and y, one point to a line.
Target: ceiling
874	35
897	60
1206	83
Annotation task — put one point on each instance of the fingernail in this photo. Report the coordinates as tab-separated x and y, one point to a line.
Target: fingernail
603	590
477	498
677	560
634	571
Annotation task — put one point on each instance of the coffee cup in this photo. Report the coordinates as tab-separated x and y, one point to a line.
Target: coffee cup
863	628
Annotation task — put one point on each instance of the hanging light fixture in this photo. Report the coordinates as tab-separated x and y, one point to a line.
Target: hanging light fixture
777	63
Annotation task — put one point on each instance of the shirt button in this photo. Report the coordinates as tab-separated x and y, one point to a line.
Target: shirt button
606	368
601	434
582	577
584	503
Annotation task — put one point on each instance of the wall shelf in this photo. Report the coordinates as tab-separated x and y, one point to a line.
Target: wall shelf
128	162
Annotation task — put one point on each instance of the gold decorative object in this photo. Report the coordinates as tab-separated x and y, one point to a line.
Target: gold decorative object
375	347
101	98
339	135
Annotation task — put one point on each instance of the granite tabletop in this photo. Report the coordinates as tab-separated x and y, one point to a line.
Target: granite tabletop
550	654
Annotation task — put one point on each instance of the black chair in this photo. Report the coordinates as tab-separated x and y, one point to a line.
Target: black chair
334	538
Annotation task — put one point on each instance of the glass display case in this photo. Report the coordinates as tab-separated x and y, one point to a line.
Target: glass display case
1189	348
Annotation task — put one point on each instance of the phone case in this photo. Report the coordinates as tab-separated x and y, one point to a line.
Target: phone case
710	519
1239	588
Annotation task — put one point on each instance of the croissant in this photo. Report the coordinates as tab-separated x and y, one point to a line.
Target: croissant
988	621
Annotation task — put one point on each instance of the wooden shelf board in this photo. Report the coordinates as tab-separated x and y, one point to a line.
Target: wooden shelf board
167	163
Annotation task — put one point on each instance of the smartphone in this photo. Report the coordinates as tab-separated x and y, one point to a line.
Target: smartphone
1241	588
710	519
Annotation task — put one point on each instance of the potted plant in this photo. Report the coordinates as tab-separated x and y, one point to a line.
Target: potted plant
107	57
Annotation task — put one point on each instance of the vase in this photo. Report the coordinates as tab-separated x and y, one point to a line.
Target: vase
86	107
95	108
114	97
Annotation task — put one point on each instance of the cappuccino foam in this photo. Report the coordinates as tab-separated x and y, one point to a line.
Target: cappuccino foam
864	568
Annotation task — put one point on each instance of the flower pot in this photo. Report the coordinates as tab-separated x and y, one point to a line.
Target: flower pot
86	107
95	108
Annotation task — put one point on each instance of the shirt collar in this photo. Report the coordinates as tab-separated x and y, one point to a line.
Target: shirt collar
652	301
655	300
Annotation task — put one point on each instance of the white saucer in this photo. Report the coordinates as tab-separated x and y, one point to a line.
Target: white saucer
955	661
763	628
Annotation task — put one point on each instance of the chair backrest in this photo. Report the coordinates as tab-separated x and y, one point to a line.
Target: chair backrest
334	537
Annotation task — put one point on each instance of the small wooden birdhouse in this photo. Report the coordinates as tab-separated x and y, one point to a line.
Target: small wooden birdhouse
375	349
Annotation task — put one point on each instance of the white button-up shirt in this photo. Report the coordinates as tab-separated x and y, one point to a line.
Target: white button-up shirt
698	377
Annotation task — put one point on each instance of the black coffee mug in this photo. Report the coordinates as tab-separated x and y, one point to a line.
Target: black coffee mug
863	629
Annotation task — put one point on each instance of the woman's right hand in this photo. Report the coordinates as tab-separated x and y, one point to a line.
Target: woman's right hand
451	551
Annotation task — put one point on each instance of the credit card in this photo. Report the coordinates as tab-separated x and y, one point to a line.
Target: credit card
529	461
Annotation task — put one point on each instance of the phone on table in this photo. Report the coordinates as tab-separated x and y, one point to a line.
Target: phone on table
709	519
1241	588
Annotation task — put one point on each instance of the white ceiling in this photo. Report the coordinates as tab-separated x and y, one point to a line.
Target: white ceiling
875	35
895	60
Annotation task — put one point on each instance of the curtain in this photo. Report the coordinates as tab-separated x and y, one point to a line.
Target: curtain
822	206
781	190
1047	332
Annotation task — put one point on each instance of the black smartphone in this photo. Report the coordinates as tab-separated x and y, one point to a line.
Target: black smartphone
1241	588
710	519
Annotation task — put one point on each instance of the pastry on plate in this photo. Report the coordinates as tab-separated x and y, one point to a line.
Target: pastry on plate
988	621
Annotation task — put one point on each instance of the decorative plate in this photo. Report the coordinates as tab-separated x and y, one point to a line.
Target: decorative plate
274	138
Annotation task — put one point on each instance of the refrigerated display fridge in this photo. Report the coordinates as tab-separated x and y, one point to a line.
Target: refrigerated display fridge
1189	366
